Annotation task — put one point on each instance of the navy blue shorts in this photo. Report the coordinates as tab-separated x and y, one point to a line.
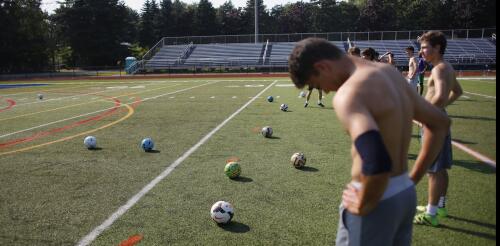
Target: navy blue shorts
445	157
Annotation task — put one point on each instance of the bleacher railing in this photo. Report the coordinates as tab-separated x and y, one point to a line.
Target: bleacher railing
331	36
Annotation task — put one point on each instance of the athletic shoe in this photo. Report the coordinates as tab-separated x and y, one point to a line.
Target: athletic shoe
321	104
441	212
305	105
426	219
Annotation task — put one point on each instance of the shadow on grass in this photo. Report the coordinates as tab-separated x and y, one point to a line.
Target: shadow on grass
96	149
472	233
153	151
463	141
308	169
412	156
472	118
475	166
235	227
243	179
483	224
273	137
326	107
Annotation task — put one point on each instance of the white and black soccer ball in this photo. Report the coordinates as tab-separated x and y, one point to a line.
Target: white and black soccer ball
222	212
302	94
40	96
147	144
284	107
298	160
90	142
267	132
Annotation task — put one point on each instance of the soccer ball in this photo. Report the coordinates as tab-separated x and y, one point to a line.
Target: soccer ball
267	131
222	212
90	142
270	99
302	94
40	96
298	160
284	107
147	144
232	169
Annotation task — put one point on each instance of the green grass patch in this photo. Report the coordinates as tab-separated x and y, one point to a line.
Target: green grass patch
56	194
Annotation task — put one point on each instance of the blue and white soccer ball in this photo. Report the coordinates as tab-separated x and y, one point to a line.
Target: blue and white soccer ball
222	212
90	142
267	132
284	107
302	94
147	144
270	98
40	96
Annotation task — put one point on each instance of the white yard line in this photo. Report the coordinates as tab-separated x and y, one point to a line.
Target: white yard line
481	95
95	112
88	239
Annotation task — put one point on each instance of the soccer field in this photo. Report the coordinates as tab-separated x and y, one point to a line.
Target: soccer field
56	192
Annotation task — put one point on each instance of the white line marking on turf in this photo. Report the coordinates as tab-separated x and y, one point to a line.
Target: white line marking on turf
475	154
132	201
95	112
471	152
481	95
466	97
213	97
234	97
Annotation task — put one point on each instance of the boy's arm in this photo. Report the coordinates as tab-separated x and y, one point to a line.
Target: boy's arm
436	125
357	119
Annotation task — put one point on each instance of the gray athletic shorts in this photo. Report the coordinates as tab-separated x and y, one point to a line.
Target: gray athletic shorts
390	224
445	157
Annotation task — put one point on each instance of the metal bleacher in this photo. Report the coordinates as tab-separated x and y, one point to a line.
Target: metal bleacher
241	51
237	54
166	57
281	51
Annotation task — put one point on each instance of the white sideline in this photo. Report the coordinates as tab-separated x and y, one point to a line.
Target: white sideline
481	95
95	112
132	201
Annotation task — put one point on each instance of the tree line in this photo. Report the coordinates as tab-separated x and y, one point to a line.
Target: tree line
102	32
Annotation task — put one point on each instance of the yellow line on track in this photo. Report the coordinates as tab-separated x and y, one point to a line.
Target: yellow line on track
130	113
79	104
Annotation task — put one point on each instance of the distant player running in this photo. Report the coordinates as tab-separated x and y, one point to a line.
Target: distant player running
376	106
412	68
443	90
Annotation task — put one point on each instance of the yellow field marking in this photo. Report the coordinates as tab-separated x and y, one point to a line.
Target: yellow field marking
130	113
75	105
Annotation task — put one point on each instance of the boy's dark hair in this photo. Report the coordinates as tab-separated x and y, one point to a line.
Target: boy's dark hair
371	53
410	48
354	51
435	38
305	54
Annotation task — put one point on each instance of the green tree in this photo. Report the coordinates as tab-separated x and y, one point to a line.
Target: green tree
229	19
24	32
165	19
205	21
378	15
95	30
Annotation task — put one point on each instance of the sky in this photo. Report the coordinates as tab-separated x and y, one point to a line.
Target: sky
51	5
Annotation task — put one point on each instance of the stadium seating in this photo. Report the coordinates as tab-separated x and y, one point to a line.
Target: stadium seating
459	51
237	54
167	56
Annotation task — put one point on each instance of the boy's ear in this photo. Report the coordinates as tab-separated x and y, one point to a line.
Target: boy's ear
320	65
